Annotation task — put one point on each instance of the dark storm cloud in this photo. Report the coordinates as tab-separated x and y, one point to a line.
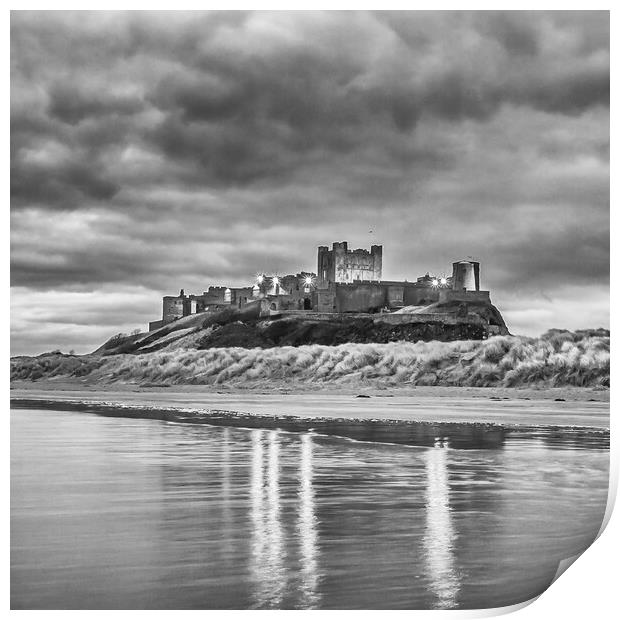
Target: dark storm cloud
516	32
262	102
146	147
62	182
72	105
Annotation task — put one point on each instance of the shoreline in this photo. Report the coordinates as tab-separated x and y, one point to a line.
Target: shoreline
276	386
469	417
399	431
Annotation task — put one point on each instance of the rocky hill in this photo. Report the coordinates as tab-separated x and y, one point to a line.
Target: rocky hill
249	329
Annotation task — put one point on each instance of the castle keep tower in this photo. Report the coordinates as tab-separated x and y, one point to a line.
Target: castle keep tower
347	266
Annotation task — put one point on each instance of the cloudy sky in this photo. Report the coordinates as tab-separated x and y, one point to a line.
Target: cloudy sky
151	152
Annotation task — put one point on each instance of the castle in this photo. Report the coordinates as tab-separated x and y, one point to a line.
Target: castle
347	281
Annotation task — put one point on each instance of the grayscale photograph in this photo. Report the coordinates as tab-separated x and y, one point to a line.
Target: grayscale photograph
309	309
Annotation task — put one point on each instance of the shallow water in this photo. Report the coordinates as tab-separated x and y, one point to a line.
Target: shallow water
129	513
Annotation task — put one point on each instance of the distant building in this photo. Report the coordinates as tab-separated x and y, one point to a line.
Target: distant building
346	281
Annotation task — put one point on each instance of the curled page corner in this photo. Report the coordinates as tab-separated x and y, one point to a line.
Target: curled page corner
564	564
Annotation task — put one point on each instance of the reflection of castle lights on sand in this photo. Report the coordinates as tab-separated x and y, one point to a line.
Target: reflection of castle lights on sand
307	524
275	545
439	536
267	560
226	512
257	515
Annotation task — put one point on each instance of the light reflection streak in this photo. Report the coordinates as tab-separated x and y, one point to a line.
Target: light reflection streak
227	524
267	554
257	517
439	536
275	558
307	527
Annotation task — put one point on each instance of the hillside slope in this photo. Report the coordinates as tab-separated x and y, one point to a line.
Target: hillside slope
558	358
246	328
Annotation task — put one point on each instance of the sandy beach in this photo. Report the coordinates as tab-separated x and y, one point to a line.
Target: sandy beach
503	406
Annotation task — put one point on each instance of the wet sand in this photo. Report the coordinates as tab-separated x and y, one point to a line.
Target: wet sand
425	405
280	386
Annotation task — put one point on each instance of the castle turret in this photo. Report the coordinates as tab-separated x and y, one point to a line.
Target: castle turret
377	253
172	308
324	267
466	275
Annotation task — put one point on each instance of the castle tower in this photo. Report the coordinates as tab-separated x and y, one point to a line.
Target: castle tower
325	267
466	275
172	308
339	253
376	252
346	266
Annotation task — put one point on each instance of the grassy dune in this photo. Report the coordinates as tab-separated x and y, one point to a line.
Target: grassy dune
557	358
